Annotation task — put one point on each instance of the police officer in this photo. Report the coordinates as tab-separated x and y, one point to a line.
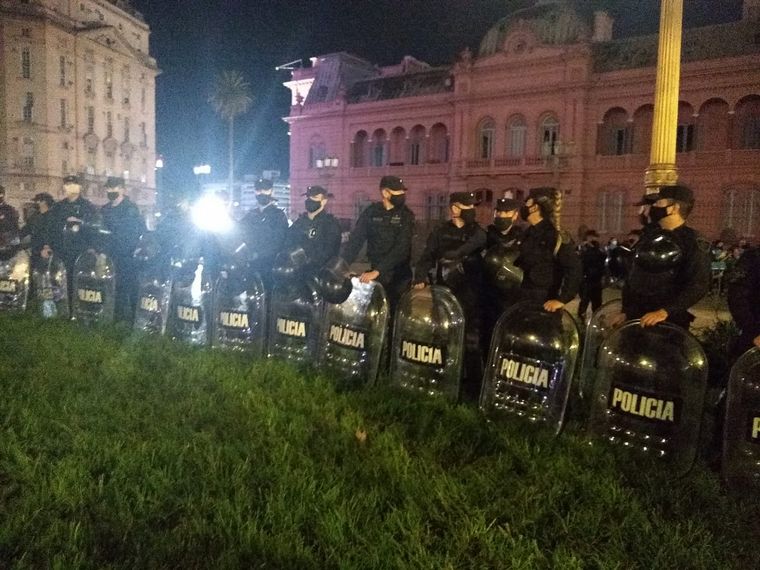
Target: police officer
504	230
454	249
744	301
671	266
592	260
316	231
75	216
386	227
8	217
551	267
41	228
122	218
264	228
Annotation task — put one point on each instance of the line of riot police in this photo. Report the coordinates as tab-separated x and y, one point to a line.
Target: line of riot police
481	317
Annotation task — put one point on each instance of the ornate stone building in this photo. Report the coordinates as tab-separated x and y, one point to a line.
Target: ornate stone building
549	99
77	95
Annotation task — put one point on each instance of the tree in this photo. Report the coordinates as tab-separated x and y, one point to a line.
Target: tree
231	97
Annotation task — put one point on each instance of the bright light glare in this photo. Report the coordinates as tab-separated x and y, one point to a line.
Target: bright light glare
210	214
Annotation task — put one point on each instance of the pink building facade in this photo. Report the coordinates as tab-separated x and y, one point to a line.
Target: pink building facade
549	99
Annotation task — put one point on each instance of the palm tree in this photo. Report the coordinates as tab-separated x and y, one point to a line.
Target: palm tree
231	97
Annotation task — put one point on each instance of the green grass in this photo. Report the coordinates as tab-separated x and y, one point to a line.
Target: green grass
126	452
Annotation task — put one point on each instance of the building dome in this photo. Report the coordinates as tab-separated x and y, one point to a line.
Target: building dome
554	22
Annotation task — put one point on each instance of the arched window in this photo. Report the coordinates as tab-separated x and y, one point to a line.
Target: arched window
397	151
642	129
378	148
486	132
610	210
317	152
615	133
27	153
514	194
359	149
747	123
686	133
437	203
438	149
741	210
713	125
517	128
484	196
549	129
416	142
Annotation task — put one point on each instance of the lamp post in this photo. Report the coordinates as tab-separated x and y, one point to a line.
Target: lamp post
662	161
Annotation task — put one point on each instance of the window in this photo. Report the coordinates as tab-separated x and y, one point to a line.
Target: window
685	138
549	136
26	63
88	80
109	84
414	152
63	113
27	153
485	140
64	167
126	81
437	204
62	71
516	137
126	129
26	32
751	133
359	149
142	99
143	135
741	208
619	138
378	154
28	106
90	120
317	153
610	211
109	125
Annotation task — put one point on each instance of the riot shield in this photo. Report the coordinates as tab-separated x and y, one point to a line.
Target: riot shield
649	392
14	281
239	311
501	271
294	323
353	335
741	433
428	342
94	289
531	364
50	286
598	328
153	292
189	304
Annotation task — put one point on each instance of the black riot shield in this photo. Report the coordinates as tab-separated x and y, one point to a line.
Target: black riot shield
295	317
741	434
531	364
153	292
190	303
50	286
649	392
239	311
428	342
14	280
599	326
353	335
94	289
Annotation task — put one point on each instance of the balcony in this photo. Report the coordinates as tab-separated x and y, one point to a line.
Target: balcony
693	159
428	168
522	165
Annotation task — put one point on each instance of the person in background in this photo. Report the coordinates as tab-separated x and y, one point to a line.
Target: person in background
592	260
8	217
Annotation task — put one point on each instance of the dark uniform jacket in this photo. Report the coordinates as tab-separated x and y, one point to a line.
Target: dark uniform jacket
126	226
70	244
675	288
388	234
42	229
320	238
8	219
547	275
496	237
744	298
449	245
264	230
592	260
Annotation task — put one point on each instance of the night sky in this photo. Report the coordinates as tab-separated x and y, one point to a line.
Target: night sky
194	40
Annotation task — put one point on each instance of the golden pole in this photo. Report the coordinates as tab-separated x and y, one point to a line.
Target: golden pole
662	161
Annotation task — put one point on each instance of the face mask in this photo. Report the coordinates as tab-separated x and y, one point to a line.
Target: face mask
263	199
502	224
657	213
467	216
312	205
397	200
112	196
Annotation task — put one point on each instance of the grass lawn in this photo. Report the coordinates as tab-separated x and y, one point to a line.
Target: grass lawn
124	452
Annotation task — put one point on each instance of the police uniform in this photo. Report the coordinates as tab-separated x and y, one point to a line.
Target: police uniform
551	266
455	253
388	235
319	237
8	216
744	299
126	226
670	270
592	260
264	228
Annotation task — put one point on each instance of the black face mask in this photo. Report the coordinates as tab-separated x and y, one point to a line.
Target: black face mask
524	212
112	196
657	213
312	205
263	199
502	224
397	200
468	216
